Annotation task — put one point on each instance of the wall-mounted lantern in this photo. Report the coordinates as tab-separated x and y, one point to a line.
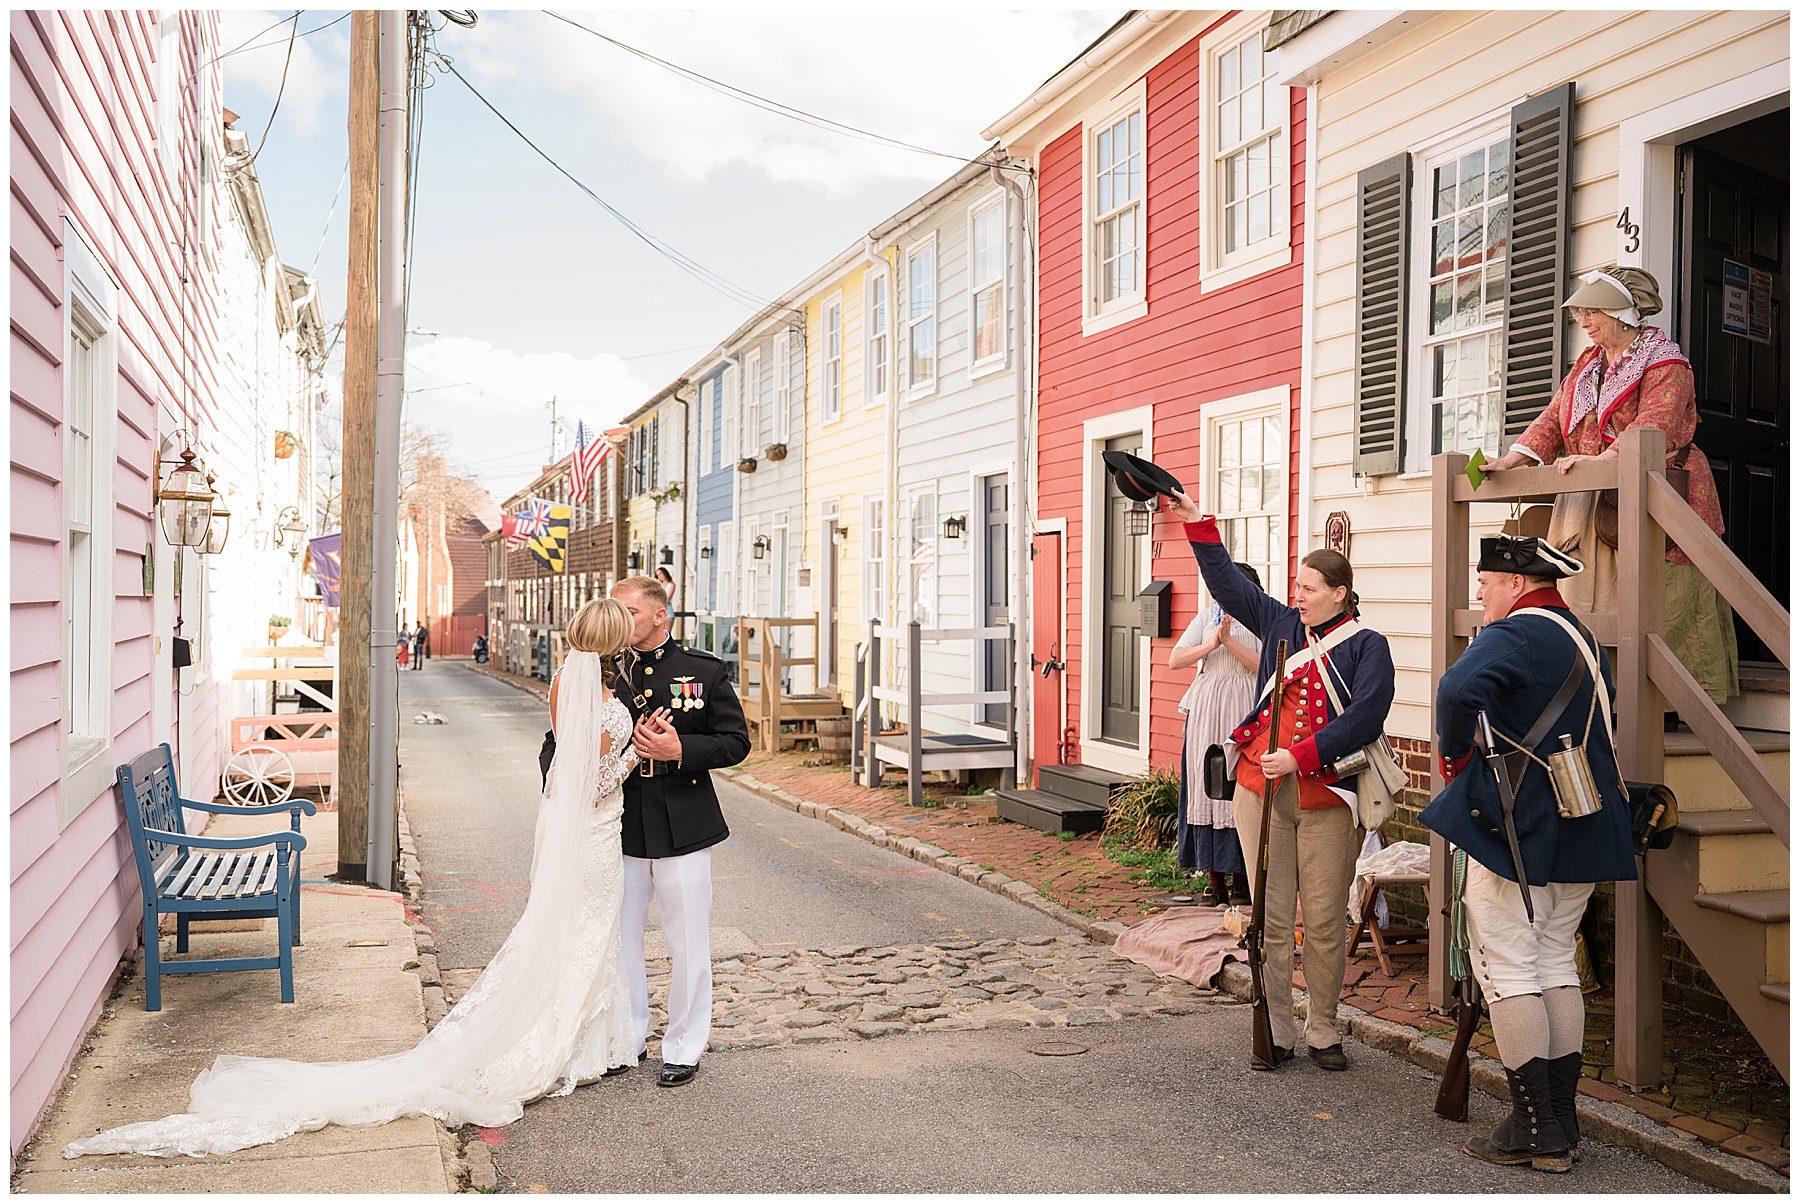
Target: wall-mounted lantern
705	552
955	526
1137	517
668	554
759	547
219	529
186	502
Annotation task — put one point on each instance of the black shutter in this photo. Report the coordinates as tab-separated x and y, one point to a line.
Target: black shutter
1382	210
1537	252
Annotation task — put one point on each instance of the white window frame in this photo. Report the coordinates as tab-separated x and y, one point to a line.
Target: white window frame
725	552
874	558
729	439
996	361
1416	422
704	568
1217	268
1096	317
1108	754
92	304
878	338
708	459
783	387
1278	402
922	530
831	358
908	323
753	407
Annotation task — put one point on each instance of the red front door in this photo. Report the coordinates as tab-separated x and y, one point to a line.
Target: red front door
1046	650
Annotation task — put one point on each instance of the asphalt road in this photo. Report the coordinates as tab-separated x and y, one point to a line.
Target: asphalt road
781	881
1159	1104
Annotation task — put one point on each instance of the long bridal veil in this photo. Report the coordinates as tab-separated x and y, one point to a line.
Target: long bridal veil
550	1007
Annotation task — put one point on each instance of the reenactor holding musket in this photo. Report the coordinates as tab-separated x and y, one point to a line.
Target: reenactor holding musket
1541	820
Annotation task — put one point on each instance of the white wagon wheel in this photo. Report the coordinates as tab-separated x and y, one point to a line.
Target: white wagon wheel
258	775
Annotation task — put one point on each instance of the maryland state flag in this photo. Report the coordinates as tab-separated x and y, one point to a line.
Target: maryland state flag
551	544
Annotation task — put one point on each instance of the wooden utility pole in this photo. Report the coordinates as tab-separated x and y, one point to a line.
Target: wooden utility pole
361	312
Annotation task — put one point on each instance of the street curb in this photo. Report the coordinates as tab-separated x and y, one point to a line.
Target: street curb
1609	1123
1103	931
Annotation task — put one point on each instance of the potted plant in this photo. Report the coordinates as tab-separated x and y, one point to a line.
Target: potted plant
747	464
776	451
278	627
286	444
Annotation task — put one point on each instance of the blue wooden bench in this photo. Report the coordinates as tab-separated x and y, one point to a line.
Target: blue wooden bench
208	878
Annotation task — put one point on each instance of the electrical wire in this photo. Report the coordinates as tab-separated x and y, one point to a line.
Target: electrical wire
331	213
280	91
766	104
692	267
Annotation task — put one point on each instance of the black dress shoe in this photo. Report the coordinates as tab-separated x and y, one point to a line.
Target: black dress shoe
1331	1057
675	1076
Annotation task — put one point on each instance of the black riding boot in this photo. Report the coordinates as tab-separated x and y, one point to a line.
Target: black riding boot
1531	1134
1565	1078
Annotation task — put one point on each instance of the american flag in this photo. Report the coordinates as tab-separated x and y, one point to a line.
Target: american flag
588	455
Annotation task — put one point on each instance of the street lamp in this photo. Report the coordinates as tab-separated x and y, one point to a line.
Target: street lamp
186	502
219	529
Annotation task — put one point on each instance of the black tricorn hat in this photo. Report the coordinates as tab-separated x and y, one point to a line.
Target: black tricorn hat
1139	480
1528	555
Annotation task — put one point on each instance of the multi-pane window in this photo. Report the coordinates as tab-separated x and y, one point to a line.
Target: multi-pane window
921	316
1464	345
987	271
831	393
778	415
728	406
1251	109
83	573
795	376
1249	474
709	424
753	399
1118	156
876	356
874	559
921	558
725	603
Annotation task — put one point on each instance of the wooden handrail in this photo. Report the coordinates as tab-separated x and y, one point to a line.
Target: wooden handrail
1747	771
1603	624
1749	597
1536	483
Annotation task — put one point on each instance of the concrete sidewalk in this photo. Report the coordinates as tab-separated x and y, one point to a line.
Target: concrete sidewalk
353	1000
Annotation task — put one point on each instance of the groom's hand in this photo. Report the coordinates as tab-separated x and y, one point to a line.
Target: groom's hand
655	738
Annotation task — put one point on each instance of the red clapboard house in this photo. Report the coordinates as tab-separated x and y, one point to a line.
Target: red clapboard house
1170	206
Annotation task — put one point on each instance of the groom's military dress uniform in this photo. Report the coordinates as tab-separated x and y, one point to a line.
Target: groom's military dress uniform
672	819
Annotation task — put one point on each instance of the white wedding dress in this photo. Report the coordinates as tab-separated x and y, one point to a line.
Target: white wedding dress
549	1011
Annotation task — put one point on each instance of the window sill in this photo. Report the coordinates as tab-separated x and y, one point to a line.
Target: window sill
921	394
1092	324
1239	272
987	368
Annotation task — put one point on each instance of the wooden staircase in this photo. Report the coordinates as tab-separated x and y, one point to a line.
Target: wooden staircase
1724	883
1069	798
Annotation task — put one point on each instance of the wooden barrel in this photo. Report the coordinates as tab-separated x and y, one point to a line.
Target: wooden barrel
834	739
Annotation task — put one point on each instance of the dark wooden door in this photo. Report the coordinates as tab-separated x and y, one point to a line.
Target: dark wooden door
1120	630
1732	212
996	579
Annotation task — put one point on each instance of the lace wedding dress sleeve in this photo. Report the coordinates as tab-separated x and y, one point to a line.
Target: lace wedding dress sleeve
549	1011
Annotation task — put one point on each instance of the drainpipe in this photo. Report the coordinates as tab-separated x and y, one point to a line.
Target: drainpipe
687	500
1020	536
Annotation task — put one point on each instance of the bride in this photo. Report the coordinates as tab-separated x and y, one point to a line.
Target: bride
549	1013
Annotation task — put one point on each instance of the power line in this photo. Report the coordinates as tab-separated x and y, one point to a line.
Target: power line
763	102
280	91
328	216
692	267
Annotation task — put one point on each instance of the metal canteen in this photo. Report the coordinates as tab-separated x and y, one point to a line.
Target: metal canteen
1572	778
1351	764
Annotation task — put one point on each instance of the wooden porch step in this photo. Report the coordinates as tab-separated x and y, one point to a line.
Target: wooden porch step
1722	823
1778	991
1047	812
1084	783
1762	906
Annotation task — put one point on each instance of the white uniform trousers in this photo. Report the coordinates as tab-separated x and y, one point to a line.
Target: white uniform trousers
1510	955
683	889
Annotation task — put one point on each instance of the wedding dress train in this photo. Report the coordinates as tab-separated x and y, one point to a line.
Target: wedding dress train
549	1011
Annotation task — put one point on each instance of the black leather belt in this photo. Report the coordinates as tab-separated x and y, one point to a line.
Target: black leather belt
648	768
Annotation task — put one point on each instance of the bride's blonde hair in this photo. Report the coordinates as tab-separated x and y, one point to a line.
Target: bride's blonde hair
602	626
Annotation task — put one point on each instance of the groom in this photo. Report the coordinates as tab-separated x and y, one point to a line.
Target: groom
689	722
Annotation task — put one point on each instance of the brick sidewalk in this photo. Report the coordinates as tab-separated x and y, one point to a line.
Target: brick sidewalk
1722	1089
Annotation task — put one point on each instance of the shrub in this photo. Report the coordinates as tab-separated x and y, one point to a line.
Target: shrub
1142	815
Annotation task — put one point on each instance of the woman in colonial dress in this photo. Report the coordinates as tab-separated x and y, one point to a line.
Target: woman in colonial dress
1632	376
1223	688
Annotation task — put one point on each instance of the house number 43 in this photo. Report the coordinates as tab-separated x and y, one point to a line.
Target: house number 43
1632	230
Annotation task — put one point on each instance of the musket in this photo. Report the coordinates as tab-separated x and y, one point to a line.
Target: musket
1453	1092
1497	766
1262	1036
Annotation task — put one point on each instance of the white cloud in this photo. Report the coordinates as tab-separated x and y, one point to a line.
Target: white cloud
493	404
933	82
316	92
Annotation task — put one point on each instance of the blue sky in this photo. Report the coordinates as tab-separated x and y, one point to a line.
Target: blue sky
533	289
